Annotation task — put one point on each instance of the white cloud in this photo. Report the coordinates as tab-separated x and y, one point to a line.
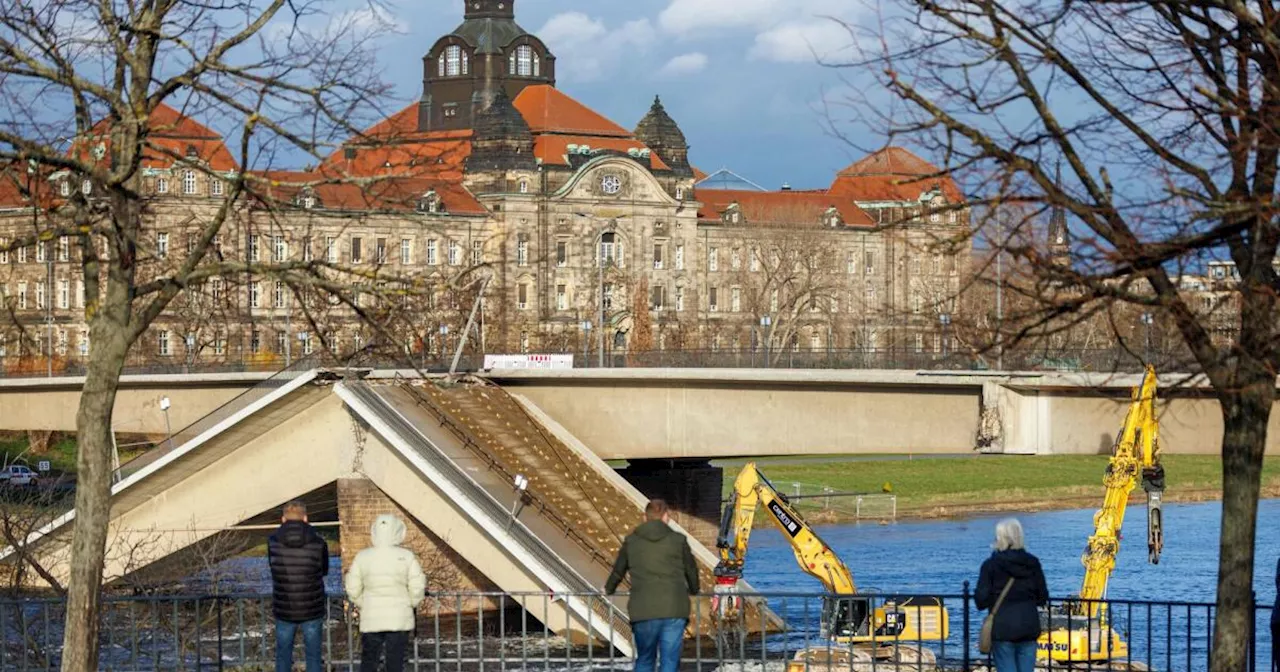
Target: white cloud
373	18
802	42
588	50
684	64
684	17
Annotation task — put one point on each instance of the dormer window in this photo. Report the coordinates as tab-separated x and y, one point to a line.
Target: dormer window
454	61
162	185
86	187
524	62
524	186
732	214
64	188
832	217
306	199
679	193
430	203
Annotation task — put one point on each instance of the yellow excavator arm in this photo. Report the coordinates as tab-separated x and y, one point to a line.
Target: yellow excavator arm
1135	459
846	617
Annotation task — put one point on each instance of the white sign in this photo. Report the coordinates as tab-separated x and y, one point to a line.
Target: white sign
43	465
492	362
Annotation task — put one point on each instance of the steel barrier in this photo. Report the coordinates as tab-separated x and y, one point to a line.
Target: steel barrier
513	631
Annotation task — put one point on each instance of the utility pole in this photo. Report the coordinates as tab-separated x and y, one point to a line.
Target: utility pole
999	295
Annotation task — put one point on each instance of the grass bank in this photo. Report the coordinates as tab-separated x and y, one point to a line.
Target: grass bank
954	486
61	454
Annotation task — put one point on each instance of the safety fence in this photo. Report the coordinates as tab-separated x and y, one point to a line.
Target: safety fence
508	631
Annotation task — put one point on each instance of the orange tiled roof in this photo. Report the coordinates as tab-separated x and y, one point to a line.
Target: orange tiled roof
780	207
172	137
547	110
553	149
441	155
891	174
395	193
698	175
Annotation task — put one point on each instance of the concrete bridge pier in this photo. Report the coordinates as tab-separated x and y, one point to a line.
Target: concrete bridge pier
691	486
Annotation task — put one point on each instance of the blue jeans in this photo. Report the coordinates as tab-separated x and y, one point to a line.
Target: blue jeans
312	632
1014	656
660	639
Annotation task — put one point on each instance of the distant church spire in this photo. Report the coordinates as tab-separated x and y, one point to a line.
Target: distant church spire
1059	234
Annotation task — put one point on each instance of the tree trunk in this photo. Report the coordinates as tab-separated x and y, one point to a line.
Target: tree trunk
1245	413
93	491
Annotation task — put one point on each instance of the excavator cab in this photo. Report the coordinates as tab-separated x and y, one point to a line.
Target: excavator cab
861	619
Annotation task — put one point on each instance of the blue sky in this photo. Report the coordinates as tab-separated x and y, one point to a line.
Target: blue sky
739	76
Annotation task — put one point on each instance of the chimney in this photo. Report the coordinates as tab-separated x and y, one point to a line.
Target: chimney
786	186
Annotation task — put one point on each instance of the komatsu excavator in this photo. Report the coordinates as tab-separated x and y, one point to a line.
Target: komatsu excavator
1078	632
886	630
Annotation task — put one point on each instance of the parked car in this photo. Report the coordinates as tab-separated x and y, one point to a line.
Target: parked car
19	475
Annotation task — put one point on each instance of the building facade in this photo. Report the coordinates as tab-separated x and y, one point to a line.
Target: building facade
577	232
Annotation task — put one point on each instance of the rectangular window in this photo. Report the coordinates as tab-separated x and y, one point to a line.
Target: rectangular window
279	249
870	263
84	342
331	249
871	295
220	344
713	303
735	259
64	248
40	295
42	252
255	342
381	246
735	299
22	255
307	347
22	296
522	296
562	297
455	253
253	247
937	264
607	298
357	251
216	186
562	254
164	348
851	263
215	289
282	342
659	299
306	249
4	250
522	253
477	253
657	256
64	294
679	298
754	262
679	257
280	295
255	293
713	259
406	251
433	249
162	245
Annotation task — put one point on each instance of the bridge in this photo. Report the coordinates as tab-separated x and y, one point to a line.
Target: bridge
681	414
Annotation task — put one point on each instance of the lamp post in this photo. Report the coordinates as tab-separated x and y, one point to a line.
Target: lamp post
1147	320
444	340
586	339
601	261
945	320
191	348
164	406
765	321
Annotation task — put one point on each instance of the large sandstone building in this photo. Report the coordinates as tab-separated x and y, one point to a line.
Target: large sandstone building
576	222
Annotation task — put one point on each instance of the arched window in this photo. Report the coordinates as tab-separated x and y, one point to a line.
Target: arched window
537	66
453	60
441	65
466	63
521	61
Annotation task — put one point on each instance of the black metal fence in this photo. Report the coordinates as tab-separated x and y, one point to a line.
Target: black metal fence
501	631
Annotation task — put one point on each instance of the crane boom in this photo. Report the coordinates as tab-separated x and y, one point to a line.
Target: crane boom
1135	458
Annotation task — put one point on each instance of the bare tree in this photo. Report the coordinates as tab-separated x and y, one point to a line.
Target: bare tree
86	91
1164	116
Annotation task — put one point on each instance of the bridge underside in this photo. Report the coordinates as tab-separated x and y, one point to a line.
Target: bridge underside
442	456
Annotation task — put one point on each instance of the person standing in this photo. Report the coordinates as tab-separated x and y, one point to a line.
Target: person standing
299	561
663	577
386	583
1016	625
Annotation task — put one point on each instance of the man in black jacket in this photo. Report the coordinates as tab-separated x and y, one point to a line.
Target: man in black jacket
299	562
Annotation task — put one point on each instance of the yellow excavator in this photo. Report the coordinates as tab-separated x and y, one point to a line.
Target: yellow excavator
1078	632
875	628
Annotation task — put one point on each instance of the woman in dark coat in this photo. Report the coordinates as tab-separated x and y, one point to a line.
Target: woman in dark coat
1016	626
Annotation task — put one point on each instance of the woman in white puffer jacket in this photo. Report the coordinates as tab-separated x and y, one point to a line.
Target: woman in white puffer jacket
387	584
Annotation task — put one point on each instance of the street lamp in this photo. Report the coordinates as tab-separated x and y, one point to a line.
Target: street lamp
586	339
444	340
765	321
191	348
164	406
1147	320
945	320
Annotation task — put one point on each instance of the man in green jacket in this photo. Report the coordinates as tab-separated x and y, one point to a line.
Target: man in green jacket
663	576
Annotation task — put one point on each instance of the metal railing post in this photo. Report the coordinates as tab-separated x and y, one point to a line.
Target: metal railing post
964	634
1253	633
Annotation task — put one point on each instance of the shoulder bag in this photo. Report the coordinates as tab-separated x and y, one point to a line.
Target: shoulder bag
984	637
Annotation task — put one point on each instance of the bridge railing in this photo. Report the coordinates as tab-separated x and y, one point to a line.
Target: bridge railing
518	631
214	417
